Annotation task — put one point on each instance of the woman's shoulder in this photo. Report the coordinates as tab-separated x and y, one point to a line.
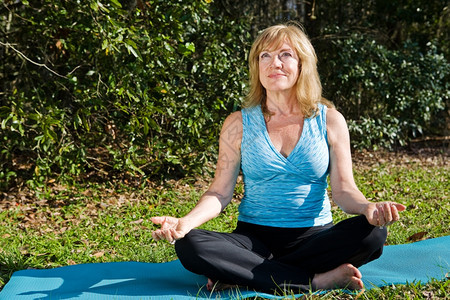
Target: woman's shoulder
232	130
334	117
233	122
236	115
336	125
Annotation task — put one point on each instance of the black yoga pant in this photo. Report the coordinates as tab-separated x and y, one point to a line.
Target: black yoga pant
269	258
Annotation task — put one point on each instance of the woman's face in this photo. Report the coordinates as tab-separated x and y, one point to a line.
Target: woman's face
279	69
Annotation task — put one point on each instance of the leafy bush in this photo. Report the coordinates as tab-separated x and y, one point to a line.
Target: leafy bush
121	88
388	95
97	86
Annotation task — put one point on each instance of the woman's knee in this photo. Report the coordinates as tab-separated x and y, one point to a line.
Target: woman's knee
376	239
191	250
372	235
370	247
187	246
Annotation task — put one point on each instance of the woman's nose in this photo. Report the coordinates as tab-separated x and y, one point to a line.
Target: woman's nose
276	62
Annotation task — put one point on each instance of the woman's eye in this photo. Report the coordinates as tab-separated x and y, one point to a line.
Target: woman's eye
286	54
265	55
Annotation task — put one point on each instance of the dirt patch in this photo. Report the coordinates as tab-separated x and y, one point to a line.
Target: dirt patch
427	152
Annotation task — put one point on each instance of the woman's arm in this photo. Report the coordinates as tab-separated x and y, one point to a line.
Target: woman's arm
344	190
221	190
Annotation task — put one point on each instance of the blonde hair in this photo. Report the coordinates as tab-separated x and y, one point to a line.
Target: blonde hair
308	86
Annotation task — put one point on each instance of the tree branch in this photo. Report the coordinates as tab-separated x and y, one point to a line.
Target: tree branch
36	63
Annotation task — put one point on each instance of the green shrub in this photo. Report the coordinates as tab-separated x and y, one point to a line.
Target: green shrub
139	90
387	95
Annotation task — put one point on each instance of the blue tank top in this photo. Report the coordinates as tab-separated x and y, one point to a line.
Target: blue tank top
284	191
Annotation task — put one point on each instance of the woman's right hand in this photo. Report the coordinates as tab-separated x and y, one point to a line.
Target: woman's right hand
172	229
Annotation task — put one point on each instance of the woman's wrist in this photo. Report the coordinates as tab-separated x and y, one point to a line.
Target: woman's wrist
364	209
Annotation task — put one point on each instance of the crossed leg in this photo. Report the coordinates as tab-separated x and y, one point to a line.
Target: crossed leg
326	260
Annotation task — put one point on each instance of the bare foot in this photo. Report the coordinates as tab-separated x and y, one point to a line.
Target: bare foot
218	286
344	276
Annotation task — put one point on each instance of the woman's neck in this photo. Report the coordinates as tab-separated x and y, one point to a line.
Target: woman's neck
282	104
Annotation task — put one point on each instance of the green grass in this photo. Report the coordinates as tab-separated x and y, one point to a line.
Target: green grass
104	223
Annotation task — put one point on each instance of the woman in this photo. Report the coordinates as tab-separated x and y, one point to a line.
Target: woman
287	140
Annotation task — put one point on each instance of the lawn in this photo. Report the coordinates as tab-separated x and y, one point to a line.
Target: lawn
104	222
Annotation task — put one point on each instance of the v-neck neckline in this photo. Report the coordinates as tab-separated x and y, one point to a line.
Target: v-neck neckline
272	146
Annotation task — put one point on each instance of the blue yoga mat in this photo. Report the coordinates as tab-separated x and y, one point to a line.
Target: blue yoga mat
399	264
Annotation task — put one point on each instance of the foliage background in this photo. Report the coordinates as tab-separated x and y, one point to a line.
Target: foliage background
101	90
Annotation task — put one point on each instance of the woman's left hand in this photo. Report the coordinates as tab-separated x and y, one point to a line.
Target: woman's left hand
383	213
